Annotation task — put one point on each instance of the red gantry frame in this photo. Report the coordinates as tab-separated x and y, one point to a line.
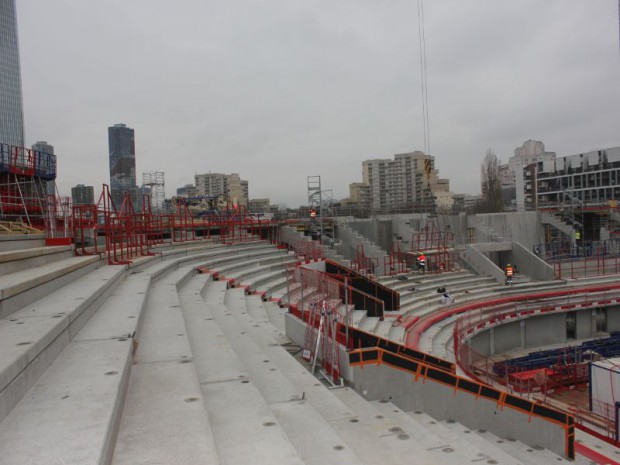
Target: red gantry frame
128	234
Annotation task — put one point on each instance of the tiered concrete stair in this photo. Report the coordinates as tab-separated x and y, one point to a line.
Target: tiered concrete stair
155	363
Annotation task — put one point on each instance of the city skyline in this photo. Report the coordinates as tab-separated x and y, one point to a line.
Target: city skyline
300	91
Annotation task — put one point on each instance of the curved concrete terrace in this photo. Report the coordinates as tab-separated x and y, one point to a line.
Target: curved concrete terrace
157	363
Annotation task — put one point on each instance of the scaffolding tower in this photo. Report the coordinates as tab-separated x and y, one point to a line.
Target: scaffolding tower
24	175
154	182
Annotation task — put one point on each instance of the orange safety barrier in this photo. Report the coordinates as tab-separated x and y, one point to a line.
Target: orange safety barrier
377	356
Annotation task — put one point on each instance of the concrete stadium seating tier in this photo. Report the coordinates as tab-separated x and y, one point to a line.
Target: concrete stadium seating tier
156	363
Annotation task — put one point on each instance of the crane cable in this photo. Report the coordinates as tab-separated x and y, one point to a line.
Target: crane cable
423	77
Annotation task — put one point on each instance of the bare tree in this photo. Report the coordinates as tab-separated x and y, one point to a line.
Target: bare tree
492	199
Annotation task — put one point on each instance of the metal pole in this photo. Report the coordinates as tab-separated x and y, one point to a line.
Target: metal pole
346	309
301	302
320	213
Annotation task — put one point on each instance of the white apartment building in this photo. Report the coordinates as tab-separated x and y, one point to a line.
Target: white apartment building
531	152
228	186
409	180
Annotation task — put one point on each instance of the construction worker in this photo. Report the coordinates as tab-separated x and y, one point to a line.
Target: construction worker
422	262
509	273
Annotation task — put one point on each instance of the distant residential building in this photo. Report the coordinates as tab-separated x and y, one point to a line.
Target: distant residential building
11	107
122	150
43	147
470	201
229	186
530	153
259	205
83	195
409	181
188	190
360	194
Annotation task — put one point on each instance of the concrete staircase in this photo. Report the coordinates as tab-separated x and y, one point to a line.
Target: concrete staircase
155	363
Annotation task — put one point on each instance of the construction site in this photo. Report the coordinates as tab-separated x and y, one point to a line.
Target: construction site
359	303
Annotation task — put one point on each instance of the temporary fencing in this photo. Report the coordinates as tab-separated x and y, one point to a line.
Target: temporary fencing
325	303
599	265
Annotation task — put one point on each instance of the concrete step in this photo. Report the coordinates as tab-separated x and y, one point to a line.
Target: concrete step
262	284
32	337
240	262
164	409
383	328
275	289
402	439
21	288
357	317
244	426
311	435
17	260
72	412
372	439
520	453
369	324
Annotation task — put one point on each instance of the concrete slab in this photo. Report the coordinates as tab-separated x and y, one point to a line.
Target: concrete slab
521	453
163	335
213	357
165	419
16	260
24	287
20	281
316	442
70	415
120	316
244	427
32	337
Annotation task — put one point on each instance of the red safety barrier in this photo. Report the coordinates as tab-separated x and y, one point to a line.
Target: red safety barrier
413	337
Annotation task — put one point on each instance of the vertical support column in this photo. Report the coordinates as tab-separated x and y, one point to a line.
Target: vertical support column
492	341
593	324
522	333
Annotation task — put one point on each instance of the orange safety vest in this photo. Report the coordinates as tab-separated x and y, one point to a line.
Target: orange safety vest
509	271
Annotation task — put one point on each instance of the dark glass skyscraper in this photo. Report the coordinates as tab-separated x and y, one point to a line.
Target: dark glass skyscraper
122	164
11	110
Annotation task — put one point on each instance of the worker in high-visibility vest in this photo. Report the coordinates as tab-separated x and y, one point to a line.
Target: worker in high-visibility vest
422	262
510	271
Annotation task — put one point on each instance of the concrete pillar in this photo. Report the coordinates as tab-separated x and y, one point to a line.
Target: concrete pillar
522	330
593	327
492	341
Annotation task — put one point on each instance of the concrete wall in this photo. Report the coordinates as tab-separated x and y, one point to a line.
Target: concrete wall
349	239
489	259
292	236
481	343
530	264
441	402
507	337
545	330
523	227
539	331
584	327
613	318
379	232
481	264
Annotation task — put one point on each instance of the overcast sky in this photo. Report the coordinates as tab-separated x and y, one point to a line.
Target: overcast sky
279	90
